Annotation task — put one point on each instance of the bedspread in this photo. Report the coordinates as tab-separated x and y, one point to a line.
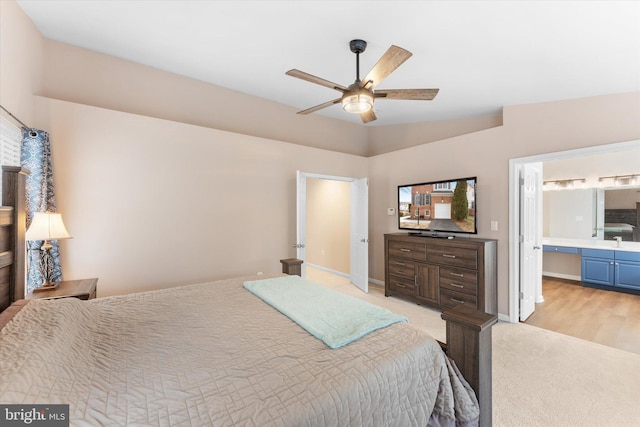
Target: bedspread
214	354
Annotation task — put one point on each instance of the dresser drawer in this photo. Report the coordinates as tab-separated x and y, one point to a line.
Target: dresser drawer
454	256
459	280
450	299
415	251
401	267
402	284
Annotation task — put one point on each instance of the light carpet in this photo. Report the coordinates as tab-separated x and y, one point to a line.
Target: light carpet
540	377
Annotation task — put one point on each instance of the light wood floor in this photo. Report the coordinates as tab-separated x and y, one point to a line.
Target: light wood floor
605	317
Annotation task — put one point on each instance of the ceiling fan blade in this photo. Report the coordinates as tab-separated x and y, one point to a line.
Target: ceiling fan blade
314	79
369	116
392	59
321	106
412	94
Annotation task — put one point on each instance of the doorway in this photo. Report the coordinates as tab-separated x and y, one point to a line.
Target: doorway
349	197
518	216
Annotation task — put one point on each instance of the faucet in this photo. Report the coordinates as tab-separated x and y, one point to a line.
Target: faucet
619	240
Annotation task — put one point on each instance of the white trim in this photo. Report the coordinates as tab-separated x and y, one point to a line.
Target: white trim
503	318
376	282
515	165
328	270
328	177
562	276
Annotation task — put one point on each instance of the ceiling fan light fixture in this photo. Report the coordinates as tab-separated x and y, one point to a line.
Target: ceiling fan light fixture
357	103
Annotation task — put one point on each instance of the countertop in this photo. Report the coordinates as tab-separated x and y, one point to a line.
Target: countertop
592	244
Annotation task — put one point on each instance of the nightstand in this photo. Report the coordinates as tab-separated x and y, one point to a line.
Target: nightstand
82	289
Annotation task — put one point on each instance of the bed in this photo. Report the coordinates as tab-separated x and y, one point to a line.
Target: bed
215	354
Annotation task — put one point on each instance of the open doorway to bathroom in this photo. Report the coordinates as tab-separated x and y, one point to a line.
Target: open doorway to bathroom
564	305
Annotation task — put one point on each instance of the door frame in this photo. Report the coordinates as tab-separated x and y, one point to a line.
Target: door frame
308	175
515	166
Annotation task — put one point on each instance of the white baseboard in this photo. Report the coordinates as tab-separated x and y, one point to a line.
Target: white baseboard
336	272
562	276
376	282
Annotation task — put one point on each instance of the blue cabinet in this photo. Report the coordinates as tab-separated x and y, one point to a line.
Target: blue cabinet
627	270
611	268
598	266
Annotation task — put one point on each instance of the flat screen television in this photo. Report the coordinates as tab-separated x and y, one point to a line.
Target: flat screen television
438	208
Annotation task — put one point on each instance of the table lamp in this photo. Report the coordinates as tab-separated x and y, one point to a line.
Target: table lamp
46	226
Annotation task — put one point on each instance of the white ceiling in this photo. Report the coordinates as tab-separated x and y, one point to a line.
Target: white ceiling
483	55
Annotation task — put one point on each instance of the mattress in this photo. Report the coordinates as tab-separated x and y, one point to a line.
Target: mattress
215	354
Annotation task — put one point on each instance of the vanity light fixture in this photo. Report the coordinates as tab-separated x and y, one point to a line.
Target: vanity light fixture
618	181
564	184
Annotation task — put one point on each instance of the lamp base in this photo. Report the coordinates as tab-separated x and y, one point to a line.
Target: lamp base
47	286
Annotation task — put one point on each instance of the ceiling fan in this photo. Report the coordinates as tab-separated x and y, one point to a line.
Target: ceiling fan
358	97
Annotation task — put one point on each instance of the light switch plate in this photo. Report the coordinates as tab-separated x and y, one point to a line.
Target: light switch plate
494	225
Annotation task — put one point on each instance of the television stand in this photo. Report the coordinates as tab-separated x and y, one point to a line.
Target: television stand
442	273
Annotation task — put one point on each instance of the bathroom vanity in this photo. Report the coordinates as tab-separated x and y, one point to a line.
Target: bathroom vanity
605	264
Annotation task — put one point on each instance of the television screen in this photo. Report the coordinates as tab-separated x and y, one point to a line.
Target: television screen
436	207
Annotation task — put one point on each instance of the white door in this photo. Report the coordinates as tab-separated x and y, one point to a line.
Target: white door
301	219
359	240
530	238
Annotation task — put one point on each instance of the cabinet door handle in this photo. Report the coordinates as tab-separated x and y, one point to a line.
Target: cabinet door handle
456	274
405	250
457	286
448	256
459	301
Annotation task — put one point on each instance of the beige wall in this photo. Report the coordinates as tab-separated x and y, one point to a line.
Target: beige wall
328	229
153	203
565	266
86	77
21	50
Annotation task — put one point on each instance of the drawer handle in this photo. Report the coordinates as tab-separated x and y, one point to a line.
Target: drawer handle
405	250
448	256
400	263
459	301
457	286
399	285
398	272
456	274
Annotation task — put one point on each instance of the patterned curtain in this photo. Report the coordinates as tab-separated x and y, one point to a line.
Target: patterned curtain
35	155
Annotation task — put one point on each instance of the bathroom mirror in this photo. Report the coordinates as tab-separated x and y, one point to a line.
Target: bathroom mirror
592	213
599	206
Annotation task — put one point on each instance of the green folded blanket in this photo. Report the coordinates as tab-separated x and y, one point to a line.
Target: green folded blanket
330	316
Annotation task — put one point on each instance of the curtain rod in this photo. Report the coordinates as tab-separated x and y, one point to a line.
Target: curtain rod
14	117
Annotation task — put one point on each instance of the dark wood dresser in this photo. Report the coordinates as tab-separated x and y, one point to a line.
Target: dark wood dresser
442	273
